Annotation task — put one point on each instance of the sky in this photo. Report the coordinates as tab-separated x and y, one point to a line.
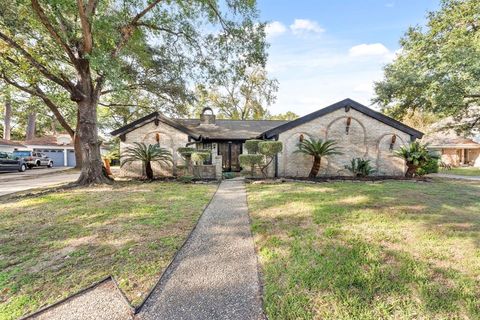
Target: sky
323	51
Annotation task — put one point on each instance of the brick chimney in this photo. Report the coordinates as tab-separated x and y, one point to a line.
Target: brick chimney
207	117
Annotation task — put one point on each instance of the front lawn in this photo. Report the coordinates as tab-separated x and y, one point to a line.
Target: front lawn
355	250
56	244
462	171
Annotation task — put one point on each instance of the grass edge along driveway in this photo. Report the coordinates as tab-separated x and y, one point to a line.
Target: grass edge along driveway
391	250
56	244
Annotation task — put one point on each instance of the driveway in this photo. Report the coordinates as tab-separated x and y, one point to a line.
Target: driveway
36	178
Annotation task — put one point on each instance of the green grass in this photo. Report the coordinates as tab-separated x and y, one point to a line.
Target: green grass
56	244
462	171
391	250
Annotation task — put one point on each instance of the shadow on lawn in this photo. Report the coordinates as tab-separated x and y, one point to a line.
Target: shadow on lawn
347	257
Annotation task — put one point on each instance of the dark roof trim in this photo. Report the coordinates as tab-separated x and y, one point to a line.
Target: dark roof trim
155	116
342	104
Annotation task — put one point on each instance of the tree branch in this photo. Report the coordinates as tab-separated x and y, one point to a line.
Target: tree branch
44	20
86	28
126	33
36	91
117	104
37	65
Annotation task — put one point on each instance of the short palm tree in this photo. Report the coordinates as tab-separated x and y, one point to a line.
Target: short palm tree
147	154
317	149
415	155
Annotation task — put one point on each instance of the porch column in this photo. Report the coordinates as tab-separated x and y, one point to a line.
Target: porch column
65	158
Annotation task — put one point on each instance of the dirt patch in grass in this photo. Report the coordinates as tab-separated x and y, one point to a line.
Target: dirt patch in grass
55	244
390	250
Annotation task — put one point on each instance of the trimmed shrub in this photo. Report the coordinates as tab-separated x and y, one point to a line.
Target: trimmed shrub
360	167
200	157
270	148
250	161
185	151
430	167
252	145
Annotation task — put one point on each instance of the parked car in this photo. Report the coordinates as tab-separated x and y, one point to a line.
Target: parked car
34	159
9	162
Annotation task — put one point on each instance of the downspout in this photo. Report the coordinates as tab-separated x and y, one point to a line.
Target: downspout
276	160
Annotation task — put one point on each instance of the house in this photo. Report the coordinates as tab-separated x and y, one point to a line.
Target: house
59	147
10	146
454	150
359	131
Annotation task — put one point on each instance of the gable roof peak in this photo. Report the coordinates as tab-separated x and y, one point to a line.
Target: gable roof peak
343	104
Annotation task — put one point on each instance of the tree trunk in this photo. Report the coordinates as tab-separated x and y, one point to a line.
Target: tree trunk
317	161
148	170
411	170
32	118
8	117
78	151
87	131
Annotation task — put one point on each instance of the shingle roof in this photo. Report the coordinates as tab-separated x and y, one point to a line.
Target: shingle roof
231	129
10	143
248	129
49	140
439	140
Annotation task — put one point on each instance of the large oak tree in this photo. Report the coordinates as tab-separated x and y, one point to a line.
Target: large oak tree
438	69
89	48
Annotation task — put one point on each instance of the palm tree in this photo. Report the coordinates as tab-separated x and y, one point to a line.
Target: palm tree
415	155
147	154
317	149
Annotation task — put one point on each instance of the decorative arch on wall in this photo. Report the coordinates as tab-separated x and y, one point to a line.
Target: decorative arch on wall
296	164
386	163
352	141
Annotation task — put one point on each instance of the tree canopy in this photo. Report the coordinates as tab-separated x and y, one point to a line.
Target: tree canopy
89	50
438	67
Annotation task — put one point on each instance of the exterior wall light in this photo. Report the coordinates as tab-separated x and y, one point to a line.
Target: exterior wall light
392	143
349	122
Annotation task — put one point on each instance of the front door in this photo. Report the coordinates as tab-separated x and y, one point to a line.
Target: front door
230	152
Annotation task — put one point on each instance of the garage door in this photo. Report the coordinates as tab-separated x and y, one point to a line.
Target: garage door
55	154
71	158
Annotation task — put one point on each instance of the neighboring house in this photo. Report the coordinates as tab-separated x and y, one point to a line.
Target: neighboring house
10	146
359	131
454	150
58	147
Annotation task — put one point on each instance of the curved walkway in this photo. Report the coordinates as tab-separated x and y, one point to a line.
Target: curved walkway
214	276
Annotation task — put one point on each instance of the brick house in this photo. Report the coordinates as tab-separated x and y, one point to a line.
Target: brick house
358	130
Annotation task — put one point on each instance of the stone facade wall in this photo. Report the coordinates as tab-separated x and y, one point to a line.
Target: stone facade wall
170	139
367	138
450	157
475	157
453	157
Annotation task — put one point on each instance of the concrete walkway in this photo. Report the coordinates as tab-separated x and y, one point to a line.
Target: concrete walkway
214	276
453	176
